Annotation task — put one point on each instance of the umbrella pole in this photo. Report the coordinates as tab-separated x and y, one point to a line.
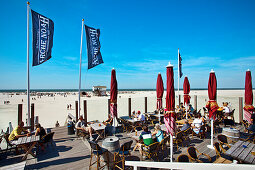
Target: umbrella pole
211	146
186	112
171	148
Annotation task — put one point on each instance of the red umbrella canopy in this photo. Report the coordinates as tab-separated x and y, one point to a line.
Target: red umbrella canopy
170	95
113	94
212	105
169	117
186	90
160	91
248	92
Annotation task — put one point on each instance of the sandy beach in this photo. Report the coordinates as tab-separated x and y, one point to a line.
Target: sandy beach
50	109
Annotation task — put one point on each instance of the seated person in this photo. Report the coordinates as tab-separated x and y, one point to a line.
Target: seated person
197	123
226	109
182	108
158	133
185	126
177	109
191	109
40	131
140	116
17	132
146	136
80	125
108	121
133	114
252	126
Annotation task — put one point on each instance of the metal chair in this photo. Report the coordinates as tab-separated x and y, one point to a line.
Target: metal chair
119	157
192	153
48	138
98	152
183	158
162	145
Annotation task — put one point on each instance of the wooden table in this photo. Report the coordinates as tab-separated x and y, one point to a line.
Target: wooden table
183	121
222	160
99	129
241	151
28	143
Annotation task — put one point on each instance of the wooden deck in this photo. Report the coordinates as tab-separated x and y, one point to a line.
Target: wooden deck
70	152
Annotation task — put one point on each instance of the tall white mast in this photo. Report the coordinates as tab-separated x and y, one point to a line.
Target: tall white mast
79	101
28	77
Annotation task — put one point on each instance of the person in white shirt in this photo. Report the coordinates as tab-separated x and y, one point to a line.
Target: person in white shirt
226	109
196	125
140	116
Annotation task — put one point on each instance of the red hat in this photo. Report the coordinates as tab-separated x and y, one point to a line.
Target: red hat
138	112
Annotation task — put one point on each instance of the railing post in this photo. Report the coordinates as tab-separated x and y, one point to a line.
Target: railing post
19	113
195	102
145	104
76	110
32	123
129	107
85	112
240	109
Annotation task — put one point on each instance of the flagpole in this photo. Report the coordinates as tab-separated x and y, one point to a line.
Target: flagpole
79	103
178	76
28	75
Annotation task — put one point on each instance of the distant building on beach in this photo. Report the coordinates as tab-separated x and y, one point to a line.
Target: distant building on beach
99	90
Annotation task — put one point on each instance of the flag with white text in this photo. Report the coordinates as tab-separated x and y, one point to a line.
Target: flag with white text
43	30
180	65
93	47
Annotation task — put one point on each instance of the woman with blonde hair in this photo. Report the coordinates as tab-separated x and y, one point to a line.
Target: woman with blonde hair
158	133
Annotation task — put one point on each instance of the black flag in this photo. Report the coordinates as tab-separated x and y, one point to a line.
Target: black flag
43	29
93	47
180	65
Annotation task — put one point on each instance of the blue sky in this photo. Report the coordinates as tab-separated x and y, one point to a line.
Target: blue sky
138	39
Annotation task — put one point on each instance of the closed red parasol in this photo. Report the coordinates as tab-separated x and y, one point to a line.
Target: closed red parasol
113	94
169	116
212	105
160	91
186	90
248	108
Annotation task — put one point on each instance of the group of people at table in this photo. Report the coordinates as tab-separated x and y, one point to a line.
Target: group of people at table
21	131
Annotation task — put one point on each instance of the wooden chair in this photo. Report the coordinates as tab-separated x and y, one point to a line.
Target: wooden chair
246	125
119	157
178	139
224	140
127	126
10	146
192	153
151	150
220	153
48	138
183	158
98	152
162	145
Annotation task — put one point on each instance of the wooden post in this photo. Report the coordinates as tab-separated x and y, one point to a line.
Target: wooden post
76	110
240	109
85	112
109	102
19	113
195	102
36	119
129	107
32	123
179	100
145	104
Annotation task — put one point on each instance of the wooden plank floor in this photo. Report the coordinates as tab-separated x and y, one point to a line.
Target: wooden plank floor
70	152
